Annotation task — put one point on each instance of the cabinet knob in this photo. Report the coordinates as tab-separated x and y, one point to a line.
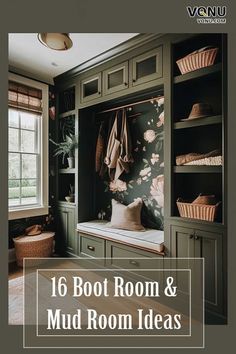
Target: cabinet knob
91	248
196	237
126	83
99	92
191	236
133	262
134	80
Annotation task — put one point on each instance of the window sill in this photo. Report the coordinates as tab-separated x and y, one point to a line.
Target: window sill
27	213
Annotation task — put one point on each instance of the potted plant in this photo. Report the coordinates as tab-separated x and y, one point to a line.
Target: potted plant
66	149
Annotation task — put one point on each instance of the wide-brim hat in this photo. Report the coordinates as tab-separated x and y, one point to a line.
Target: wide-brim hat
199	110
33	230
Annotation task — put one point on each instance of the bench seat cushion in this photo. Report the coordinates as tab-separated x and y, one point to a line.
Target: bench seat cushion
149	239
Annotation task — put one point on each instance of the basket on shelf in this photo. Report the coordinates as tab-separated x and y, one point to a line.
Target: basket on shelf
197	211
198	59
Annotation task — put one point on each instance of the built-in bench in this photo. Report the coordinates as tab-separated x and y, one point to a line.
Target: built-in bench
96	236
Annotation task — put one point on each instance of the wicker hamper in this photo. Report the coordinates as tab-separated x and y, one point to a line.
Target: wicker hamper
197	60
197	211
39	246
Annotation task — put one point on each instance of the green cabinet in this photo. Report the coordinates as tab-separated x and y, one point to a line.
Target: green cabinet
191	242
120	255
147	67
115	78
91	88
66	219
90	246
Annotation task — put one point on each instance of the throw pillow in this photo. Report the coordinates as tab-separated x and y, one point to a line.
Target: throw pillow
127	217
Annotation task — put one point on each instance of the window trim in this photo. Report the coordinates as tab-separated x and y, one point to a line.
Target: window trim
37	210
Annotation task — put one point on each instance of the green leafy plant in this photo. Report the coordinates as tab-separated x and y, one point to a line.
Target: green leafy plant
67	126
66	148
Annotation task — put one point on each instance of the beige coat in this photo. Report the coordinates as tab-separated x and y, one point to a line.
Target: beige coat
118	155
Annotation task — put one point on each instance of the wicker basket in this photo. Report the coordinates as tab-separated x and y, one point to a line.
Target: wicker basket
197	211
197	60
39	246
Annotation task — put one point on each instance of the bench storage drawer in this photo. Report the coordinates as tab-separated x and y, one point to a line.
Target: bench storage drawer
129	256
90	246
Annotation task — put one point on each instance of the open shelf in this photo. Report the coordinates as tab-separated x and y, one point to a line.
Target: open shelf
66	204
198	122
198	73
197	221
67	100
197	169
67	170
67	113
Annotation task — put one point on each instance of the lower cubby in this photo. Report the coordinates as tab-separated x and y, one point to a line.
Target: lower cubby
188	186
66	184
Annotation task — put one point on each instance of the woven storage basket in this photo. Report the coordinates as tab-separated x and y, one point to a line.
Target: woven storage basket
197	60
39	246
197	211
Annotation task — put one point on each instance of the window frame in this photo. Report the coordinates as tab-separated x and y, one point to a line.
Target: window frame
26	211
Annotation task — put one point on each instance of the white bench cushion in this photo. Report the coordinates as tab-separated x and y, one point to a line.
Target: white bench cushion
149	239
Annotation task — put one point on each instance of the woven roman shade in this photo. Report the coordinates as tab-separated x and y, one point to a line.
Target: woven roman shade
24	97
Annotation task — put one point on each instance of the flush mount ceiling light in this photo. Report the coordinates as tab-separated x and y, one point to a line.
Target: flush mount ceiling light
56	41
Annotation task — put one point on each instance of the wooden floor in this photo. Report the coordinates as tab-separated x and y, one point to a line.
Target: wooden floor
14	271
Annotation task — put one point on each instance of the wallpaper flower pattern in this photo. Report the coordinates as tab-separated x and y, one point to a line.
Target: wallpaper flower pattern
146	176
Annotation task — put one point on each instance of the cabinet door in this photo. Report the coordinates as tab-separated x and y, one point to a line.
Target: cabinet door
91	88
182	243
67	228
147	67
182	246
116	78
209	246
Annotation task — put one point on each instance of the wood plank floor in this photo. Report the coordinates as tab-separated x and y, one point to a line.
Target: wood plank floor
14	271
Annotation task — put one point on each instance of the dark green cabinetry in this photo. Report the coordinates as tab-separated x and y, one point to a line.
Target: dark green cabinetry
66	223
98	247
116	78
66	182
197	242
90	246
91	88
116	250
147	67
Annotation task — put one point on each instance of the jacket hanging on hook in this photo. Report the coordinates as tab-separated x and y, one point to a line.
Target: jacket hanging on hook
118	155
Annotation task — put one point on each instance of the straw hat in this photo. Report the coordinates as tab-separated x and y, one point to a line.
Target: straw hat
205	199
199	110
33	230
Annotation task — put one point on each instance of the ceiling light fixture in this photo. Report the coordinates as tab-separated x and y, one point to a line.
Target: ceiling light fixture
56	41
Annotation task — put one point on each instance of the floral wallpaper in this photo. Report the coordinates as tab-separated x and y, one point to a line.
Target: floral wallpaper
146	176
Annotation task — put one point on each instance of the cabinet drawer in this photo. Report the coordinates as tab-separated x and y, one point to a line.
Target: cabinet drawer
128	256
91	246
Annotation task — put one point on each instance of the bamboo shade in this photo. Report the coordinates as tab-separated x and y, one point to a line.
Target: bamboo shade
24	97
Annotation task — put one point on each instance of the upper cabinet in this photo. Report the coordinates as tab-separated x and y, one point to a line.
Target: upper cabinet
147	67
91	87
115	78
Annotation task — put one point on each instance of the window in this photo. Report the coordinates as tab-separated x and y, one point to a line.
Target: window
28	148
